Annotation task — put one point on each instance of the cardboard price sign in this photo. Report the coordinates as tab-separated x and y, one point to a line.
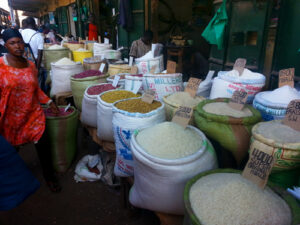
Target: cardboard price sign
238	100
192	86
116	81
260	164
171	66
148	96
292	116
183	116
101	69
134	70
286	77
239	65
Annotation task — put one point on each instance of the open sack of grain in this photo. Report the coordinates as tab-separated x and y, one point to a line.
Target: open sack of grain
285	144
129	115
228	127
224	197
273	104
146	62
166	156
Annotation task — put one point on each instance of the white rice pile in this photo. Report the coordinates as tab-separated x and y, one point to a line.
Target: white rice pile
223	109
230	199
278	132
55	47
184	99
65	61
81	50
169	141
247	74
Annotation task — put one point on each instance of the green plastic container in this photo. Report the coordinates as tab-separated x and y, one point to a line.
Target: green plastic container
61	133
191	218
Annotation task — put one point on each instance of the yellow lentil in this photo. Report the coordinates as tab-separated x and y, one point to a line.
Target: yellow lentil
137	106
113	96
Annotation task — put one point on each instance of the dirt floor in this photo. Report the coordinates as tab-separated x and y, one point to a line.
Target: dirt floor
89	203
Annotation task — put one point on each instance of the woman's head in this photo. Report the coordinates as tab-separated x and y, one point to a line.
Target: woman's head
13	42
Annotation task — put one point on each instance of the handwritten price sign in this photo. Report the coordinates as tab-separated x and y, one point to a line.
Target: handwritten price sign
292	117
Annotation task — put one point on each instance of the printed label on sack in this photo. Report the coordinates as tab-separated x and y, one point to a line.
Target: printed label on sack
260	164
171	66
116	81
286	77
192	86
148	96
153	68
292	116
134	70
239	65
182	116
102	67
238	100
137	86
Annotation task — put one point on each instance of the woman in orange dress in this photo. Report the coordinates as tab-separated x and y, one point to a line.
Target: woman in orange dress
22	119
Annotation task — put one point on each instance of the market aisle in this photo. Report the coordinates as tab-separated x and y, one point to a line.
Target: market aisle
77	204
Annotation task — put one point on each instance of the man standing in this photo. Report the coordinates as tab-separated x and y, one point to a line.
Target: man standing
141	46
35	39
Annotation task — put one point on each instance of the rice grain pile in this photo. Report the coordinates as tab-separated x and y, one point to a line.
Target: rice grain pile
169	140
223	109
247	74
65	62
184	99
113	96
81	50
282	95
230	199
137	106
278	132
55	47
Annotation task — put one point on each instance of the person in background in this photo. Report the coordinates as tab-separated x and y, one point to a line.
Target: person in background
3	50
141	46
22	119
91	30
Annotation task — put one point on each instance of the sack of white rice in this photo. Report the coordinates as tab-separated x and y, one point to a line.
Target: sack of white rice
224	197
165	157
285	142
230	128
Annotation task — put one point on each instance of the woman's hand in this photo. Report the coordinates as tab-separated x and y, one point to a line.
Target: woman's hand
54	108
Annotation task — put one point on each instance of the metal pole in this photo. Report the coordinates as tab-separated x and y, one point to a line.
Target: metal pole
12	15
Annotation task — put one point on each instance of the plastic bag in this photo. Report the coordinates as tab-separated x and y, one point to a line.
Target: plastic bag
82	171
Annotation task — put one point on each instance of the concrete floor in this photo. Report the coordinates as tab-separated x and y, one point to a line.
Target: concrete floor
77	204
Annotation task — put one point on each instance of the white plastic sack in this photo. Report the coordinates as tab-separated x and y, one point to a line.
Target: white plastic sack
99	48
134	83
224	86
60	77
163	84
89	108
159	183
109	54
144	64
82	172
124	125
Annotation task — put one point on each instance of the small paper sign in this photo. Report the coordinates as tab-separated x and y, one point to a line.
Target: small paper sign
134	70
171	66
239	65
153	68
130	61
260	164
286	77
238	100
182	116
192	86
99	39
292	116
102	67
106	41
113	11
148	96
137	87
116	81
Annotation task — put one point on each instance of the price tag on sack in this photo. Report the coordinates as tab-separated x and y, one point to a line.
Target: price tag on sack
102	67
134	70
183	115
239	65
260	164
292	116
286	77
148	96
192	86
106	41
171	66
153	68
116	81
137	87
238	100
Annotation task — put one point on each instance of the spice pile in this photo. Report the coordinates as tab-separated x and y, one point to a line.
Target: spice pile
137	106
113	96
98	89
88	73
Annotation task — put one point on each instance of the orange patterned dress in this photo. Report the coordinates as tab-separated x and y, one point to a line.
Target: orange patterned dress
22	119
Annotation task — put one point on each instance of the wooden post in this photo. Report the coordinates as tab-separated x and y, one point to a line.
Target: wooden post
154	19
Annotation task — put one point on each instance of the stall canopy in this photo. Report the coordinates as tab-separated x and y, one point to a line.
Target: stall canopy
28	5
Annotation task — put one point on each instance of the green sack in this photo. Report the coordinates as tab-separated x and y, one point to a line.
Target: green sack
54	55
61	133
214	32
233	134
78	86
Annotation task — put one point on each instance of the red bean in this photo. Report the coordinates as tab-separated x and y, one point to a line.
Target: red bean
62	112
88	73
96	90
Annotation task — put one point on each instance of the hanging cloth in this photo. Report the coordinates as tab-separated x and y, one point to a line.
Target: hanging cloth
214	32
125	18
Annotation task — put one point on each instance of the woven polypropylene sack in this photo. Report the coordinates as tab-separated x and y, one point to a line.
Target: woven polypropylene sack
145	66
55	55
